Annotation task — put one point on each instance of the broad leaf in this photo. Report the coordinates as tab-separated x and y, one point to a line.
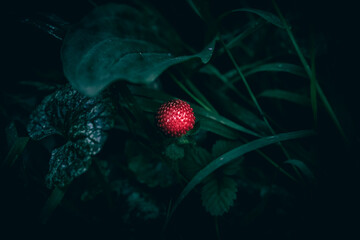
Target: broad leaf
119	42
218	195
149	170
82	121
234	154
174	152
195	159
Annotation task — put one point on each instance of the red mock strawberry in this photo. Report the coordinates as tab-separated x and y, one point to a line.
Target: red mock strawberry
175	118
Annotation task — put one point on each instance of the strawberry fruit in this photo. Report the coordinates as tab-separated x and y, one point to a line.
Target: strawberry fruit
175	118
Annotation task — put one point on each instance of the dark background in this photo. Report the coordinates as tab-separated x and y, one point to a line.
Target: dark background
28	51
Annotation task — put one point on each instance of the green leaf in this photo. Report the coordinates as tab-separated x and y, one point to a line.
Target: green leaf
148	169
218	195
278	67
268	16
195	159
174	152
82	121
234	154
286	95
118	42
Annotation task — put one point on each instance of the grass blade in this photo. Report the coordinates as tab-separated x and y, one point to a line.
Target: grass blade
268	16
253	98
285	95
196	9
234	154
15	151
182	86
51	204
236	41
310	74
303	168
196	91
278	67
223	121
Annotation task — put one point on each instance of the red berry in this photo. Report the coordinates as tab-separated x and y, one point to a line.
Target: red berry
175	118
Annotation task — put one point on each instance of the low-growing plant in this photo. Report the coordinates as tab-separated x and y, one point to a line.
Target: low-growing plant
144	127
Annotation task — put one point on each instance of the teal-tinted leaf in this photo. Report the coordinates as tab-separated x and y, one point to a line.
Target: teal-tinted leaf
136	204
174	152
218	195
149	170
66	163
195	159
286	95
118	42
82	121
278	67
234	154
222	146
268	16
302	167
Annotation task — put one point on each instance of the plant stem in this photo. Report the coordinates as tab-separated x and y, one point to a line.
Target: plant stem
217	227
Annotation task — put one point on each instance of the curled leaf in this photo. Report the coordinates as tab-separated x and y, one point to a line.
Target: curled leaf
82	121
118	42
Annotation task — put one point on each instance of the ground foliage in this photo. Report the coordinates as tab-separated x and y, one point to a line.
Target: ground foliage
271	153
